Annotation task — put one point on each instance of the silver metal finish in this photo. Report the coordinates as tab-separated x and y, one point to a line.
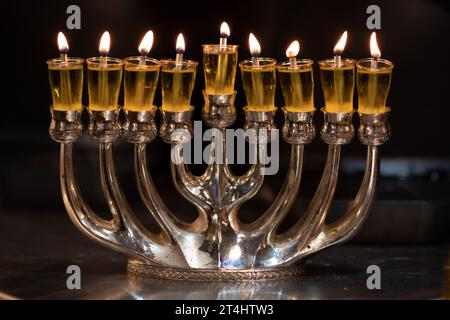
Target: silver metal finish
140	126
374	129
298	127
337	127
217	245
66	126
176	126
219	111
104	126
259	125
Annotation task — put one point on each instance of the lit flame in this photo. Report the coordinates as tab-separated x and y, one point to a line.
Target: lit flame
146	43
340	46
180	43
224	30
105	43
374	50
62	43
293	49
255	48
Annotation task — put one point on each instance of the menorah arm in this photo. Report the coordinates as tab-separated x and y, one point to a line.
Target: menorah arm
152	200
103	231
119	207
288	247
348	225
284	201
192	188
315	214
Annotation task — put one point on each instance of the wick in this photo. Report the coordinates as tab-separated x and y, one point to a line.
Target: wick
255	61
142	59
374	63
337	61
223	43
292	63
103	60
63	56
179	60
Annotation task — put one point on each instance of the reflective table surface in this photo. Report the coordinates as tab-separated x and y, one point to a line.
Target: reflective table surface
37	248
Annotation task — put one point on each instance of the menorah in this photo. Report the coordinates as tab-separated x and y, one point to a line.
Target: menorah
217	245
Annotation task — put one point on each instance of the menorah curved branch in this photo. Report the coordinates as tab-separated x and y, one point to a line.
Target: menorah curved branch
217	244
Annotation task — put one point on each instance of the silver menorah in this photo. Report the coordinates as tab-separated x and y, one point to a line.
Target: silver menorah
217	245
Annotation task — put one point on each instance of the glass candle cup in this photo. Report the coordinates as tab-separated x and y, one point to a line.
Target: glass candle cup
104	80
259	84
66	83
338	83
373	81
297	85
219	65
177	84
140	81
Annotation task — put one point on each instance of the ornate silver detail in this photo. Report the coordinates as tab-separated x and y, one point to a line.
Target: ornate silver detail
337	127
66	126
178	122
298	127
260	122
156	272
104	126
219	111
140	126
374	129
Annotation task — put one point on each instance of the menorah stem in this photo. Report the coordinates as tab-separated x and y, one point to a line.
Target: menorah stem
103	231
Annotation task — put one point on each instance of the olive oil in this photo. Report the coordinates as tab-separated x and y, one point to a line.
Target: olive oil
259	84
177	86
66	84
297	86
140	84
104	86
338	84
219	69
374	81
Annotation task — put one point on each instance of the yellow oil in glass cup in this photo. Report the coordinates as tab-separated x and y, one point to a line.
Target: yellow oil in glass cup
219	65
259	82
66	83
297	85
373	82
104	81
338	83
140	81
177	84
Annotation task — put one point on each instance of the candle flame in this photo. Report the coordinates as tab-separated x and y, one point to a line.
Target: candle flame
255	48
340	46
62	43
374	50
293	49
224	30
146	43
105	43
181	46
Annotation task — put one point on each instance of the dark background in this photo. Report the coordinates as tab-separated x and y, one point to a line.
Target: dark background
414	36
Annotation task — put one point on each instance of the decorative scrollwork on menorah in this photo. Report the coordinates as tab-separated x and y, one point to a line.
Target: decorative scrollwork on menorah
218	245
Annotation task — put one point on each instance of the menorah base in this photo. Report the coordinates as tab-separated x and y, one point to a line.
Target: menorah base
157	272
